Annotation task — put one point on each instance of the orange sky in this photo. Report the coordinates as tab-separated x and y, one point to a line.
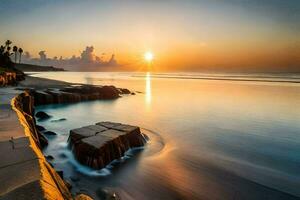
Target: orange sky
183	35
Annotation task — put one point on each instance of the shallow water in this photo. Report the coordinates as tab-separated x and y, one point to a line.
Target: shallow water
209	139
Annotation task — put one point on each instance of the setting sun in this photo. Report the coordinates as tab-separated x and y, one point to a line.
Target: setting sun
148	56
141	99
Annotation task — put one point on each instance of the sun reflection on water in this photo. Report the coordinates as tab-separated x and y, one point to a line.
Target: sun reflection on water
148	89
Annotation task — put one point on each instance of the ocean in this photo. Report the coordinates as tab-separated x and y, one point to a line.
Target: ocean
212	136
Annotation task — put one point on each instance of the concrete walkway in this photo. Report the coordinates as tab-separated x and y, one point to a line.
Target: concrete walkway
9	122
19	166
24	172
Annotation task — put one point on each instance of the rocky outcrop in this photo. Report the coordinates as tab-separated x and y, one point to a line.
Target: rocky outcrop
74	94
8	78
40	128
124	91
42	115
39	180
98	145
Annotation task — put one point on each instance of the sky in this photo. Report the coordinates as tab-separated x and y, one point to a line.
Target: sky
184	35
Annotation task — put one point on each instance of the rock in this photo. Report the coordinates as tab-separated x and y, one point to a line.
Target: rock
40	128
83	197
59	120
42	115
89	92
132	93
49	133
42	98
109	92
124	91
146	136
61	174
98	145
8	78
43	140
62	155
75	93
49	157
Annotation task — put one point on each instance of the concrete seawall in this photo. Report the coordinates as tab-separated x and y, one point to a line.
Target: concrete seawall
25	173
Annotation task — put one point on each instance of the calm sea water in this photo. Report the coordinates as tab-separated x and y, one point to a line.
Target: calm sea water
209	139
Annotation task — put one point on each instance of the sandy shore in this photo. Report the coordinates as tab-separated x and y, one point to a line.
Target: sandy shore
41	83
9	122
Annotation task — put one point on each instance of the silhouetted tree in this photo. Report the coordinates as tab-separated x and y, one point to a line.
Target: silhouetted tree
7	43
15	50
5	54
2	49
20	51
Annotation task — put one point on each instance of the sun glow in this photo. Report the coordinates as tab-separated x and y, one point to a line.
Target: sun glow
148	56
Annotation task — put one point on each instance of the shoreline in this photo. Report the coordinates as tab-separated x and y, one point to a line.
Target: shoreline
51	184
25	172
26	140
19	149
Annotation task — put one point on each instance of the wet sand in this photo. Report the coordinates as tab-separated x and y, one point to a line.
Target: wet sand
41	83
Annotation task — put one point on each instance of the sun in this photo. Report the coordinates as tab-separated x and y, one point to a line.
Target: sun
148	56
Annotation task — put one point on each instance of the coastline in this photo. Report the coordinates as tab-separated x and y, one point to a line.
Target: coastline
42	84
18	148
25	173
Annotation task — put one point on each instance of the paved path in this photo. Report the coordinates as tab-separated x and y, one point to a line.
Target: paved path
19	166
9	122
24	173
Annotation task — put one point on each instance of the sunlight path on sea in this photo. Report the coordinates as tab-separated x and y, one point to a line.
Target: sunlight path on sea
148	89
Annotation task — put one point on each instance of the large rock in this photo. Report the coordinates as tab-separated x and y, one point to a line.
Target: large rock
124	91
98	145
73	94
41	115
8	78
40	128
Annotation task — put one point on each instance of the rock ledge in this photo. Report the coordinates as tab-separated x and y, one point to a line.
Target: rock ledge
98	145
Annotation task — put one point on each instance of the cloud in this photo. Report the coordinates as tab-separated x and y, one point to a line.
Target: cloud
87	55
86	61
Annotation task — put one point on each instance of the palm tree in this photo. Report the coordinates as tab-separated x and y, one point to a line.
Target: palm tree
20	51
15	50
5	55
7	43
2	49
